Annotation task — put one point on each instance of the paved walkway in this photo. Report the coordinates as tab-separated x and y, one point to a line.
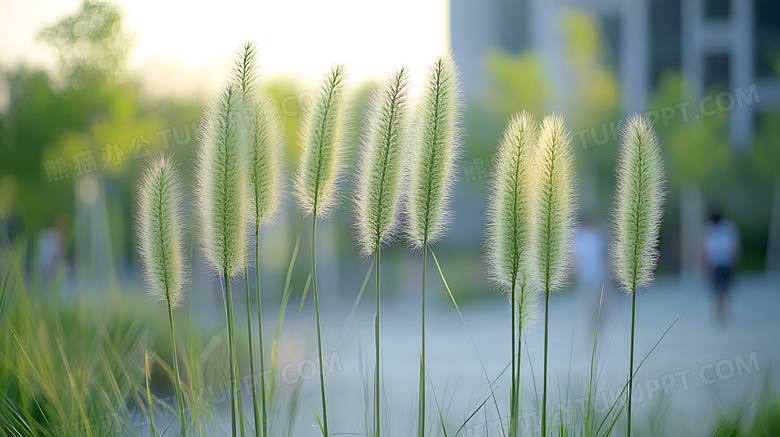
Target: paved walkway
698	369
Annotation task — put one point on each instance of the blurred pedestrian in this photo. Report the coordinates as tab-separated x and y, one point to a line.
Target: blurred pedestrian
51	249
591	268
720	248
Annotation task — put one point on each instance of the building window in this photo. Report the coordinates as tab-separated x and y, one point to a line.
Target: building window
717	8
767	38
610	29
716	72
513	25
665	41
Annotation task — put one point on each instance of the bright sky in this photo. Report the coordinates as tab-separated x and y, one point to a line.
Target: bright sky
180	45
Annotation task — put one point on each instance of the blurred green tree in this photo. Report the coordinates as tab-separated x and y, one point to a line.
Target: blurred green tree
517	83
92	44
765	155
697	149
86	122
591	105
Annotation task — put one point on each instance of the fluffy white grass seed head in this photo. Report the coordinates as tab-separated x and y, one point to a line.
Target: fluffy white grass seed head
510	204
381	163
638	206
322	146
222	195
264	159
160	231
245	68
434	149
554	204
510	215
264	140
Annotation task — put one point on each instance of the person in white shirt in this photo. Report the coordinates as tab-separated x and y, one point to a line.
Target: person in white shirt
720	251
591	268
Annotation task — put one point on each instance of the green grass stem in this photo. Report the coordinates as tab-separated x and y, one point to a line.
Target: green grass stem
631	360
260	336
317	316
421	427
377	417
176	373
251	352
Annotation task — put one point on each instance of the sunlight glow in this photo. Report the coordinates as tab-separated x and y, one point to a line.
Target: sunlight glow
304	37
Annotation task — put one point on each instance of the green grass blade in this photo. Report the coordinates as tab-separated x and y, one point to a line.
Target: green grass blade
473	343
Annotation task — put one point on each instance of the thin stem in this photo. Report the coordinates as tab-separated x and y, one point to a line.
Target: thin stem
234	375
517	378
421	429
251	349
152	429
513	387
544	387
228	316
631	360
176	372
317	315
377	421
260	329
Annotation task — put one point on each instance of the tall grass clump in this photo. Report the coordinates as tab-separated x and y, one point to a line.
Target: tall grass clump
222	205
379	180
637	214
160	245
509	229
554	219
264	180
432	173
316	180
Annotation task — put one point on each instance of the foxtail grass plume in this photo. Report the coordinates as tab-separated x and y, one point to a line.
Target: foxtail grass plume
510	215
554	224
435	147
431	176
637	217
264	140
264	160
245	69
160	245
381	163
322	143
262	124
509	230
159	230
638	206
221	189
510	205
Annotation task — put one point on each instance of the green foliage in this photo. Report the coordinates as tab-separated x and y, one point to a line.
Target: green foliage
697	149
381	163
91	43
765	151
65	369
518	82
595	95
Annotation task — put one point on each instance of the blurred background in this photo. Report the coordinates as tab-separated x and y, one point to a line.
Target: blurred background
90	90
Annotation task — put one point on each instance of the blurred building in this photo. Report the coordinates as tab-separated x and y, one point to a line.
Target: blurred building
724	45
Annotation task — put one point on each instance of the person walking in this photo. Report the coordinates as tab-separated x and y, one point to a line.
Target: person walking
720	252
